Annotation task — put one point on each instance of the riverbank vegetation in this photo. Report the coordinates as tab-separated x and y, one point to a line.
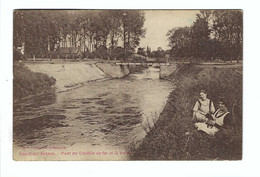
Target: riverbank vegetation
174	136
27	83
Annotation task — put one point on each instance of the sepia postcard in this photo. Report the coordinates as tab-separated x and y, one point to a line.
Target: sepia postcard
122	85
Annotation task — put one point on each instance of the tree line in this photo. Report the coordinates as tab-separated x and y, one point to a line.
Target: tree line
97	32
216	34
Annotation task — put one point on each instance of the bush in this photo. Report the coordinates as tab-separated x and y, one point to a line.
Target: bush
118	53
27	83
89	55
17	55
101	53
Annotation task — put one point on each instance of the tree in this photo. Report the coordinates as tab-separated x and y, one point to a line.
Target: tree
214	34
148	50
133	21
179	41
115	33
159	53
118	53
141	51
36	30
228	30
200	37
43	31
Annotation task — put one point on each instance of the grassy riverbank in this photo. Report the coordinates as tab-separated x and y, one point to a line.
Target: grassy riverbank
27	83
169	140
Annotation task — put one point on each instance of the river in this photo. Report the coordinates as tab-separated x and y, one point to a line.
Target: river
104	118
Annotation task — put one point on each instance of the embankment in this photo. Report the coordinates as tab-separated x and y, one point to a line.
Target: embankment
174	136
72	75
113	70
27	83
167	70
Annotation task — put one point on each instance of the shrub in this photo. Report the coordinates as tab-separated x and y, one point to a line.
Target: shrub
27	83
17	55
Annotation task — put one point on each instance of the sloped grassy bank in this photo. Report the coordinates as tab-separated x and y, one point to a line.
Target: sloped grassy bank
28	83
169	140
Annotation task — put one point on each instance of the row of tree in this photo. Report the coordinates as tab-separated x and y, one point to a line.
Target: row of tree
159	53
40	31
216	34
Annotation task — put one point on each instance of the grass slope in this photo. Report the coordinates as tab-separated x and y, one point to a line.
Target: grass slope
27	83
167	139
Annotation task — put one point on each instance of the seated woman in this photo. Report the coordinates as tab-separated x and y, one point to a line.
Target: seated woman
219	119
203	106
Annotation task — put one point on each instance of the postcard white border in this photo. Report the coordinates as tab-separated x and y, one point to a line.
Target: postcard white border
249	166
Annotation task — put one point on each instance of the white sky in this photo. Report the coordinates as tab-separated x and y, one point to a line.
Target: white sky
159	22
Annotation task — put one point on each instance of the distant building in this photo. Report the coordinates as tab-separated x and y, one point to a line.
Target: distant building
69	52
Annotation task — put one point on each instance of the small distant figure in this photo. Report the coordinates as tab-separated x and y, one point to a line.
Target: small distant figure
220	118
203	108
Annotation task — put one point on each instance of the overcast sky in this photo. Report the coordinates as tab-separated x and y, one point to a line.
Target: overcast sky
158	23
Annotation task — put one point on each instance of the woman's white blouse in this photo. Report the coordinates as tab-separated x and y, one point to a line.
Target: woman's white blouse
219	119
204	106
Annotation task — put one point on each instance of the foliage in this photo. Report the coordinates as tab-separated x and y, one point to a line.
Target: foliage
157	54
215	34
141	51
41	31
17	55
133	21
199	38
28	83
118	53
36	30
179	39
101	53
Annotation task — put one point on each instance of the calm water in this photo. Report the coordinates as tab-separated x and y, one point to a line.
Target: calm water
112	114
